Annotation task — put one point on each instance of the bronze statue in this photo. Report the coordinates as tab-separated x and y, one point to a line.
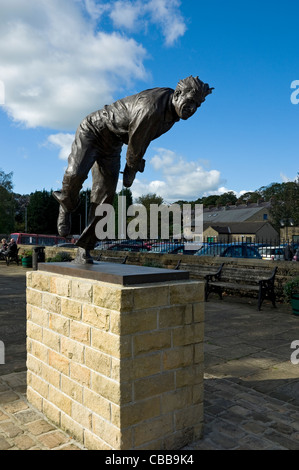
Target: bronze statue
135	121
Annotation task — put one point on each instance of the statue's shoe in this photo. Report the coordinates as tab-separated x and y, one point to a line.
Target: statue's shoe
129	176
83	257
64	222
65	201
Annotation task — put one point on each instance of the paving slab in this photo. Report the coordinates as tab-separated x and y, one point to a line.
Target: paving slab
251	385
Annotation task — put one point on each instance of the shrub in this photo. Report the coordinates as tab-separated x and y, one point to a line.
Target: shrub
60	258
291	287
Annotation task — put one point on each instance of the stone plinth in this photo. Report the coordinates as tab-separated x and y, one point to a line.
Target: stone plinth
119	367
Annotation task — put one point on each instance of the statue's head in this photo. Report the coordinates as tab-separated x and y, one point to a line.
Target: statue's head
188	96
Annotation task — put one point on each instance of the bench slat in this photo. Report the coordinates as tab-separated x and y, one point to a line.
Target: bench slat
261	281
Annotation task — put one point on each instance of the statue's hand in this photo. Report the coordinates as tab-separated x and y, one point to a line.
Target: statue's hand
130	173
141	166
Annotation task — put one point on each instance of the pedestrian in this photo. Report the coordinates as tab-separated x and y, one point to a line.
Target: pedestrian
288	252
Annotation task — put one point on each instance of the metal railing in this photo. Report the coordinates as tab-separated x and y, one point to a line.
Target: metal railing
262	248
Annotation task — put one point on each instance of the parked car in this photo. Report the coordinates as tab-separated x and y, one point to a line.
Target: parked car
211	250
241	251
274	253
166	247
117	244
232	251
129	245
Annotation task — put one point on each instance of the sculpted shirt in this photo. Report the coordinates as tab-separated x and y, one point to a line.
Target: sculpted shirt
135	121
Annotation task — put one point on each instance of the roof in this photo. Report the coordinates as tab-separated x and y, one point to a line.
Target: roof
218	228
239	227
233	213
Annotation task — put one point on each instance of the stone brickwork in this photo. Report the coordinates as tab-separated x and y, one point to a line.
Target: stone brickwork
117	367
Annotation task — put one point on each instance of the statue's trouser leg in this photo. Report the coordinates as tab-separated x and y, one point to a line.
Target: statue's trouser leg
84	154
105	174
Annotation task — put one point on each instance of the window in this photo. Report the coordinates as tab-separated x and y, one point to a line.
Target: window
265	216
28	240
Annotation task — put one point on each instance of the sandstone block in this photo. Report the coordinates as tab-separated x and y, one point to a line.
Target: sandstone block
97	361
51	302
97	404
39	316
72	389
71	308
154	385
186	293
80	374
96	316
59	324
59	399
178	357
133	322
50	375
73	350
59	362
51	339
152	341
34	297
82	415
60	286
82	290
151	297
80	332
173	316
153	429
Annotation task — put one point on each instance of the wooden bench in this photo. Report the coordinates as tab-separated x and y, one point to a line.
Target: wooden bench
10	257
226	278
111	259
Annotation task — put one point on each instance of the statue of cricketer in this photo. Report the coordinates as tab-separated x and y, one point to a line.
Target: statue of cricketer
135	121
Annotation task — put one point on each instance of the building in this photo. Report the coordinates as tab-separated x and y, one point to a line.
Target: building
254	212
249	232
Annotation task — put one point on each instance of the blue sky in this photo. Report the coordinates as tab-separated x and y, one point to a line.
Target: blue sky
60	61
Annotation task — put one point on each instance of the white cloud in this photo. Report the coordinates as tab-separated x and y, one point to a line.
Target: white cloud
57	67
133	15
178	178
166	13
57	63
125	14
284	178
63	142
94	9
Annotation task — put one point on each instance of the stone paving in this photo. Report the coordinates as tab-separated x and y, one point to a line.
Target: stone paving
251	385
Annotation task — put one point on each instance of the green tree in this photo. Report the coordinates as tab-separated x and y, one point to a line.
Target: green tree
6	203
285	204
250	197
273	190
42	213
227	198
21	203
211	200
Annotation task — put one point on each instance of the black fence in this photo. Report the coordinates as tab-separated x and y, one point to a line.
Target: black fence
240	247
